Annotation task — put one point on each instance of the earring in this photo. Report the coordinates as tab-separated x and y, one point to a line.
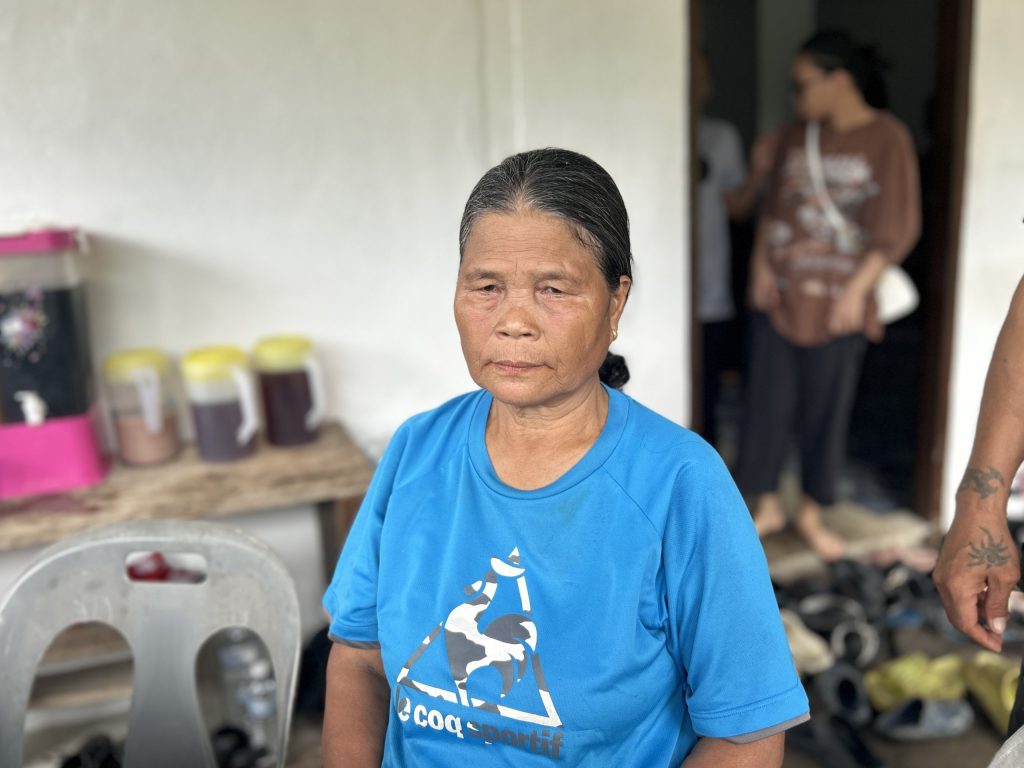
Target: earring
615	334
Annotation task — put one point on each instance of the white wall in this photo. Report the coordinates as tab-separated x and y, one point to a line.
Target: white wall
608	80
250	167
992	236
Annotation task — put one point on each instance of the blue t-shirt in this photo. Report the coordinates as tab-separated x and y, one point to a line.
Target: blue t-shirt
610	618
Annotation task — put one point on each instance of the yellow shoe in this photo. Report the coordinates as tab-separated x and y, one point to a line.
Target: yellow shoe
992	680
915	676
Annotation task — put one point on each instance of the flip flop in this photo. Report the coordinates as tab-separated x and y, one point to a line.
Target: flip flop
856	642
811	654
822	613
914	675
924	719
97	752
822	741
861	582
842	692
992	681
854	745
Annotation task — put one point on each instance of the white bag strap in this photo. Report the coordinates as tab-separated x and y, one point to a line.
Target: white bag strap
812	147
896	294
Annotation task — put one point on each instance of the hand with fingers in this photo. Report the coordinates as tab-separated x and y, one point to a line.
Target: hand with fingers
764	292
977	568
847	314
979	563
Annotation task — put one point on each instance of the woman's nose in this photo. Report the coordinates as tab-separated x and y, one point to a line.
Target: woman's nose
516	322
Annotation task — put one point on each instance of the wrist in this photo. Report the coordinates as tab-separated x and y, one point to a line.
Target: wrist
870	272
991	510
860	285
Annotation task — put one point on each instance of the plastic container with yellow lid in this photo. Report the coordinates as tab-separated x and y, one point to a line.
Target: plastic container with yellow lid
222	397
292	388
138	383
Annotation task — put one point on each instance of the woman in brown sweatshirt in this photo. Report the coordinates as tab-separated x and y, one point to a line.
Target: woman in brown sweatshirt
812	287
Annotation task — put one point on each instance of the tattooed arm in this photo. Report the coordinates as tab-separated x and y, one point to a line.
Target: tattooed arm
979	563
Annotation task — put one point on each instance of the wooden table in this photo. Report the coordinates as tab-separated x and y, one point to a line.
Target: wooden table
331	473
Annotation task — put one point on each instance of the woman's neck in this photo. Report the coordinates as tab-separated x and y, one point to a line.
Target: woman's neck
851	113
531	447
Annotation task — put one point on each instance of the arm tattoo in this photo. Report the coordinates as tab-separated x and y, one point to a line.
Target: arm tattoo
987	552
982	482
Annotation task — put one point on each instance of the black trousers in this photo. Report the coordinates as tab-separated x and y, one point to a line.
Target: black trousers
717	338
807	390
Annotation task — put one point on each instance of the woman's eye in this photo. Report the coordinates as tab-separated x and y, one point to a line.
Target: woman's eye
551	290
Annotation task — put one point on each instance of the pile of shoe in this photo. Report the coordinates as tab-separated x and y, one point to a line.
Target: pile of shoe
919	698
97	752
231	748
842	630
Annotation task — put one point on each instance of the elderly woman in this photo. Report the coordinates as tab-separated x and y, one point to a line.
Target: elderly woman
543	569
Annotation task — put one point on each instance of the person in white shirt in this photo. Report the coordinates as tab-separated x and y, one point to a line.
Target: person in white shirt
725	192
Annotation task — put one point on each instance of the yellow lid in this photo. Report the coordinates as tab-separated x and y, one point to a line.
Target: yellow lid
121	365
212	363
282	353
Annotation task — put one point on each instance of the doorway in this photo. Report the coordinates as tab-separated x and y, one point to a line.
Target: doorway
896	445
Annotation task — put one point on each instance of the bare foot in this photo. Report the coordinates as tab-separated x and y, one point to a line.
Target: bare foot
829	545
919	558
768	515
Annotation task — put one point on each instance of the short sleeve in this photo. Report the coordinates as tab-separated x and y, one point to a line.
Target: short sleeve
892	218
726	633
351	597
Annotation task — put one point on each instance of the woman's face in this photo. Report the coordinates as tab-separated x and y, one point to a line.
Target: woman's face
813	89
534	312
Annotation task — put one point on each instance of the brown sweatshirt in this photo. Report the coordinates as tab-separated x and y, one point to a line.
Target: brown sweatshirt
871	174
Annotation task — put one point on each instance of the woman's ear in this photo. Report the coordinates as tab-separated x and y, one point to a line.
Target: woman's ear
619	297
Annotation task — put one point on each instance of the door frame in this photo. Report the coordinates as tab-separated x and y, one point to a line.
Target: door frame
943	229
950	146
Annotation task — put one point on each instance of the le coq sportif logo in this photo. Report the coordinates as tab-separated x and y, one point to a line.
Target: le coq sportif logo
474	640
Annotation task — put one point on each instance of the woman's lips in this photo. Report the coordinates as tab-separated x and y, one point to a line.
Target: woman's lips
514	366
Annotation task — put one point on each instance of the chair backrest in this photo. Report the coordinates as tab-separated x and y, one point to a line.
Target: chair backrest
84	579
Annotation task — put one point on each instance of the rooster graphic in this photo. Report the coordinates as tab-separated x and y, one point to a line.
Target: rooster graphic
501	644
508	643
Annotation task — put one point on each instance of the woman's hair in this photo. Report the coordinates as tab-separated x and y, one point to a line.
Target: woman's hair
832	49
577	190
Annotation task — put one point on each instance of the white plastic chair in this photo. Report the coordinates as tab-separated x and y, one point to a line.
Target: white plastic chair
84	579
1011	754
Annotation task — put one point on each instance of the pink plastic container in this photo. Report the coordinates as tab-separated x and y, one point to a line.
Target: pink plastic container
47	439
58	455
